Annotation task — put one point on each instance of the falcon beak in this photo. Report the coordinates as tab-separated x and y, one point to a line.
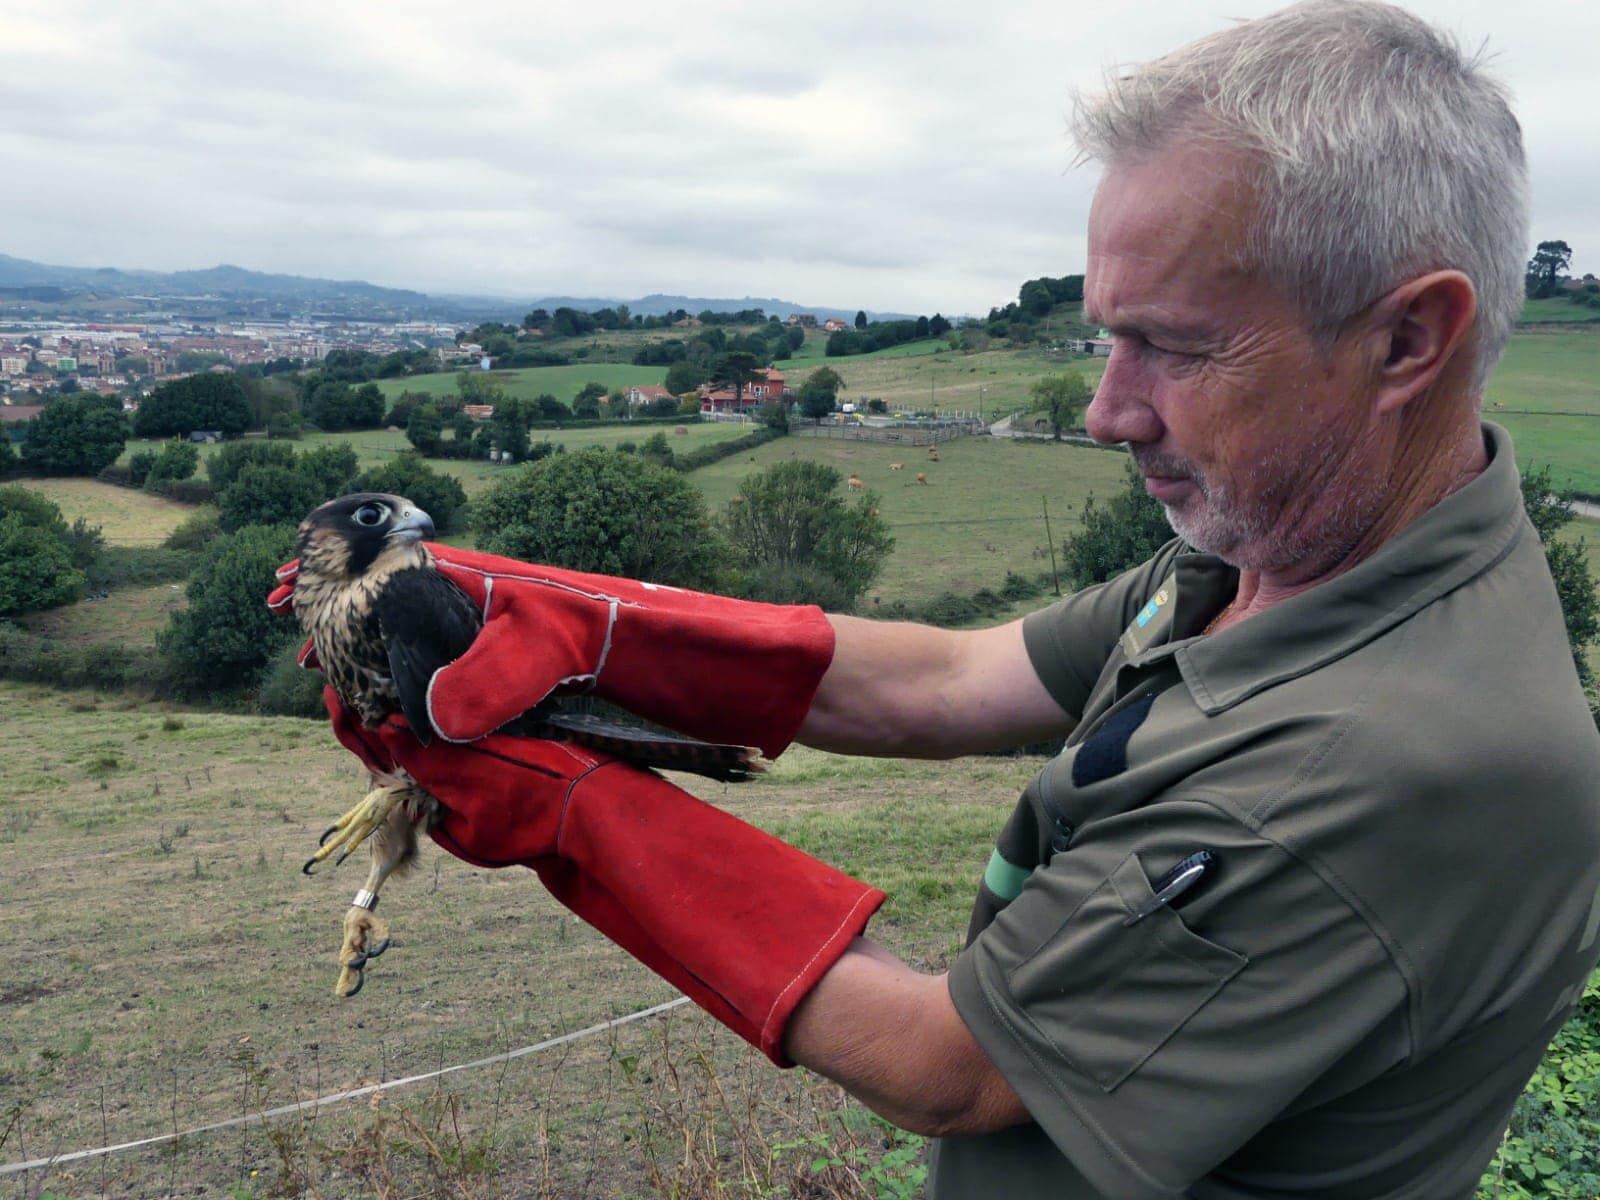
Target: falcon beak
411	525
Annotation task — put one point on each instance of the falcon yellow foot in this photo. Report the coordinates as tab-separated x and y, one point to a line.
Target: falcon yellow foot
358	824
365	937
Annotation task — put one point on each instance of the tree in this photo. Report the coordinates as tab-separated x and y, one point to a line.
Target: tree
267	495
735	369
441	496
76	435
938	326
510	426
425	428
226	634
586	406
1061	396
861	319
589	391
820	393
1550	510
1122	534
598	510
475	387
1547	267
683	376
798	539
1035	298
8	457
217	401
547	408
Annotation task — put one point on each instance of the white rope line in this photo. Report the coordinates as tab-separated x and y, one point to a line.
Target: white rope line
284	1110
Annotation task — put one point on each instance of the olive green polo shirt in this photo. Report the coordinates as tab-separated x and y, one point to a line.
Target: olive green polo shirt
1400	782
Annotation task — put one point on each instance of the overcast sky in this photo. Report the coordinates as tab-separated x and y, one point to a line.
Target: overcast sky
888	155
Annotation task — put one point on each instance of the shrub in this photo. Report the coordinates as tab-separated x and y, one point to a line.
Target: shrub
227	634
139	566
177	461
1122	534
441	496
286	689
268	495
791	517
704	456
597	510
33	659
330	468
195	531
140	464
223	467
186	491
425	428
82	540
284	425
36	569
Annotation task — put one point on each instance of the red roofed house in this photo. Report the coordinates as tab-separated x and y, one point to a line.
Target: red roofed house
768	385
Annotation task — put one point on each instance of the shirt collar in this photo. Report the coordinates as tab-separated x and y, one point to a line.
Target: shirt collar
1454	541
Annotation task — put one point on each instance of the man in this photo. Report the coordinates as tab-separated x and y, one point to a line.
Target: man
1315	879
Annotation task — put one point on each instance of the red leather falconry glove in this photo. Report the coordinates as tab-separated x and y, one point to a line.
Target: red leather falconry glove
714	668
742	923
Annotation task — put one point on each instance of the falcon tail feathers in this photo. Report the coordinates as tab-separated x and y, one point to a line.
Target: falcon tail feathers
647	748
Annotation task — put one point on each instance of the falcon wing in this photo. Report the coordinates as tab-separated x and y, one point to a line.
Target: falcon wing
427	622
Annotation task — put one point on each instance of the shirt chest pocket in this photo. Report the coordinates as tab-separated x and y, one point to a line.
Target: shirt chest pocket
1107	994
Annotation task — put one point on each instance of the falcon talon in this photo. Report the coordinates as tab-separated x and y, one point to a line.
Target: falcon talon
379	948
326	834
310	862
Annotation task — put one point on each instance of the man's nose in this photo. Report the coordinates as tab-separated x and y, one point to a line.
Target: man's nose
1120	411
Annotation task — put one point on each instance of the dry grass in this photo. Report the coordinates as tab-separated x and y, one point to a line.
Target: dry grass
127	617
165	958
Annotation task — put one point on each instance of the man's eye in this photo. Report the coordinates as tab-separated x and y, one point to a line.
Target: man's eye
371	514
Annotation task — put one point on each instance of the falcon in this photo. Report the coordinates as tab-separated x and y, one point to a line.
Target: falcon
382	620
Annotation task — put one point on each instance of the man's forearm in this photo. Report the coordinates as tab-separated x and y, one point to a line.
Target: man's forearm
916	691
892	1038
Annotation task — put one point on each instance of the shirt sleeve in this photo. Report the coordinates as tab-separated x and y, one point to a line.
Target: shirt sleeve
1070	642
1149	1050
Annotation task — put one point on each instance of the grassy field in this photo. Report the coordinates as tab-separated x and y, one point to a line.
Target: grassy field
125	517
177	968
1546	391
979	515
1557	310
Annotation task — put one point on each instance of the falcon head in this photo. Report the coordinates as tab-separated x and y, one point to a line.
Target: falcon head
349	537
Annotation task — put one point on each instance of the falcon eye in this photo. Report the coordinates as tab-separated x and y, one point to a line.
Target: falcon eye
372	515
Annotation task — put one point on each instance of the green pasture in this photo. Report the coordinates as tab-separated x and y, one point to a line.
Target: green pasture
1556	309
980	514
993	382
527	382
124	517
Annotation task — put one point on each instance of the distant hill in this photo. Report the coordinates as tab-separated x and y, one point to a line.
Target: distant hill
237	291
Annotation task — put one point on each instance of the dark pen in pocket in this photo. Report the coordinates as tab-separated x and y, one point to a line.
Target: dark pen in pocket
1176	886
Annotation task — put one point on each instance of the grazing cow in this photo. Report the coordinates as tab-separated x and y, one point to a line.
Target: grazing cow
897	466
854	483
921	477
933	454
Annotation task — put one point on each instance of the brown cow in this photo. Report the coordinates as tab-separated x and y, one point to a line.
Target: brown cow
854	483
897	466
921	477
933	454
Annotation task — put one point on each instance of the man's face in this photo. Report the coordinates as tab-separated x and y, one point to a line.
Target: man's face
1253	437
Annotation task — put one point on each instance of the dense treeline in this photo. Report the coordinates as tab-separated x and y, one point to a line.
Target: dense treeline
880	335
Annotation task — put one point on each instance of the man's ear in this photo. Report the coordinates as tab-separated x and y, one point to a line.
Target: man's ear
1421	325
